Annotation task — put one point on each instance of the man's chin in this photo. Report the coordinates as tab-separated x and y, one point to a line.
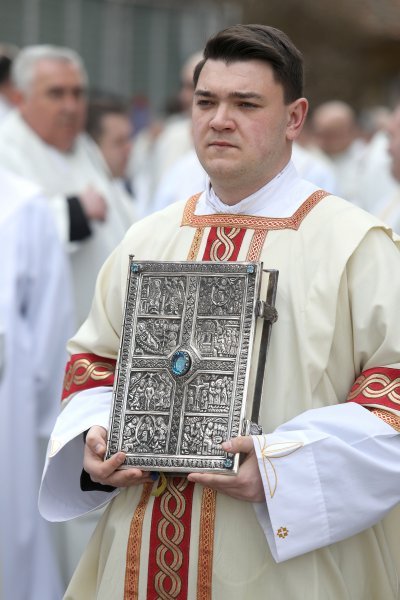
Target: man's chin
220	168
65	144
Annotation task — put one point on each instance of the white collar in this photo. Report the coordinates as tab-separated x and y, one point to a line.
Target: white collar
280	197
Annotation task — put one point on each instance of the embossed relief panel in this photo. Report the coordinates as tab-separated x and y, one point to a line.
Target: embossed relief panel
183	366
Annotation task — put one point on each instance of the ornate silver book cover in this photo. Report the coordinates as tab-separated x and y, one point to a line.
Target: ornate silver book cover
182	373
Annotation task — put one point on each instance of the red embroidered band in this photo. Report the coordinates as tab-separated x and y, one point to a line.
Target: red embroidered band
170	541
224	243
379	386
85	371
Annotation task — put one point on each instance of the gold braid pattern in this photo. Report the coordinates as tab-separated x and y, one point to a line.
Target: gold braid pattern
388	417
169	555
131	589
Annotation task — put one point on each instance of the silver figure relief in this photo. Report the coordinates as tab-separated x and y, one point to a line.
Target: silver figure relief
184	361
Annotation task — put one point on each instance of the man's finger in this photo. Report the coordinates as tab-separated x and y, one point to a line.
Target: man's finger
239	444
127	478
211	481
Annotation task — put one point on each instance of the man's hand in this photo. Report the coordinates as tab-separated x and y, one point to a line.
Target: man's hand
93	204
247	484
105	472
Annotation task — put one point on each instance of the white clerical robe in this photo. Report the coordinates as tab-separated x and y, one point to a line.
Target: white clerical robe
35	322
62	174
330	468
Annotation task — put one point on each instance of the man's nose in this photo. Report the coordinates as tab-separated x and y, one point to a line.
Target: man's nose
222	118
71	102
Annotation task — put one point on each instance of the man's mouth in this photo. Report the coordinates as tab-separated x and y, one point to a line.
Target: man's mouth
221	144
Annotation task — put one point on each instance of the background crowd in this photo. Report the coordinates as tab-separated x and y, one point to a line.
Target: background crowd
76	170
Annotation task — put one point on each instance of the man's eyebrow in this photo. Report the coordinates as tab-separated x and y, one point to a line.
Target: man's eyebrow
239	95
203	93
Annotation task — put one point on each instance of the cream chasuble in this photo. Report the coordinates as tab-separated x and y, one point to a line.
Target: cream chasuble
195	544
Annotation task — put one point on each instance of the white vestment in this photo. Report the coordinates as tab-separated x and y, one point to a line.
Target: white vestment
347	167
62	174
35	322
330	469
161	155
376	183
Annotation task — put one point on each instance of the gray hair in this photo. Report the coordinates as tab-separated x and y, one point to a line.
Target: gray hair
23	69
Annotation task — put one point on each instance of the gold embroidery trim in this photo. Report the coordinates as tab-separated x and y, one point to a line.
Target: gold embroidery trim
206	544
249	221
195	247
256	244
172	507
131	588
277	450
387	389
388	417
97	371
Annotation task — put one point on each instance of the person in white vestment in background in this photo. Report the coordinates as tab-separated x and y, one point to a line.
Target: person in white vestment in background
336	132
312	510
9	94
43	140
172	142
376	182
36	319
387	207
110	126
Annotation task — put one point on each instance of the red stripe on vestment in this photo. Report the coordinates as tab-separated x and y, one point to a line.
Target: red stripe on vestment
85	371
223	243
168	568
378	386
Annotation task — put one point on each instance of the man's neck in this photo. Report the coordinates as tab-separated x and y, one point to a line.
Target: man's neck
280	197
231	194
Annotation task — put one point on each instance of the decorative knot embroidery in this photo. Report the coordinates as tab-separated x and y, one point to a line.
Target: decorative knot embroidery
282	532
273	451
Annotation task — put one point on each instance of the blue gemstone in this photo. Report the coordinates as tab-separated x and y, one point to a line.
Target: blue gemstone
228	463
250	268
135	268
181	362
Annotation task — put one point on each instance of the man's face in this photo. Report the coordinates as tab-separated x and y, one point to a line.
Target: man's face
115	143
55	105
394	144
242	127
334	135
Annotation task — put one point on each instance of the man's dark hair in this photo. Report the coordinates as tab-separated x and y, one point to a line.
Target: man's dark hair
7	54
258	42
99	108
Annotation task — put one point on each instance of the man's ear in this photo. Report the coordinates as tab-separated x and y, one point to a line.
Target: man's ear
297	112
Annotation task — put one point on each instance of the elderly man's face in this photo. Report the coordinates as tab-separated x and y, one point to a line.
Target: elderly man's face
55	105
394	145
